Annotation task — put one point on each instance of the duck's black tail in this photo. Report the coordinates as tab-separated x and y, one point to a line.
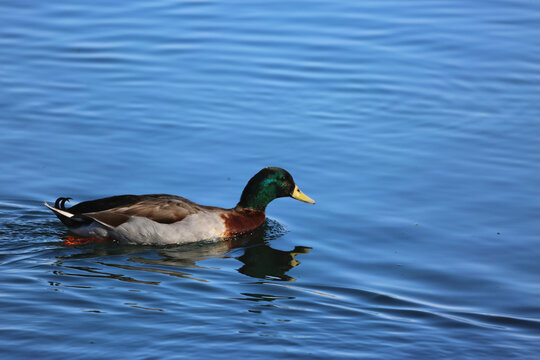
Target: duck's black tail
66	217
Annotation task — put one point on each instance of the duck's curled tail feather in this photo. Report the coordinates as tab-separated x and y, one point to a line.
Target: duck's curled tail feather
61	202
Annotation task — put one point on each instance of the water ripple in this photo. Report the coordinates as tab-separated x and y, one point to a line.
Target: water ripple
414	126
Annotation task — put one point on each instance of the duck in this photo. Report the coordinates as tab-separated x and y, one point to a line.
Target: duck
162	219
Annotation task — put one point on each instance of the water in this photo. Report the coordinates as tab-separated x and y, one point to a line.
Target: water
414	125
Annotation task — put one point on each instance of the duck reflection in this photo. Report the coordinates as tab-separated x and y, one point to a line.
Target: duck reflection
259	259
267	263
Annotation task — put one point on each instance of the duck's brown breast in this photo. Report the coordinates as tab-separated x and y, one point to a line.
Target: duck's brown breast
240	221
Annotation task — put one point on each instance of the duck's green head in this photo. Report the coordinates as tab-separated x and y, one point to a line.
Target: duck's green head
268	184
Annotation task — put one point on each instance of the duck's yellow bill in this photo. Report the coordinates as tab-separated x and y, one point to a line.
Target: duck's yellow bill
298	195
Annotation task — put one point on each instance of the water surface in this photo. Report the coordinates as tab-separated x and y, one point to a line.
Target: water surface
414	125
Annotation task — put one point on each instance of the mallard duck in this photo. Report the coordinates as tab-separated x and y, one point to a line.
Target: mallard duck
168	219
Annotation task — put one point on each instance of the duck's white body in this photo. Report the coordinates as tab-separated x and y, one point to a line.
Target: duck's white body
143	231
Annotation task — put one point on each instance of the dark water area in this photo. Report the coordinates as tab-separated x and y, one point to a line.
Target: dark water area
414	125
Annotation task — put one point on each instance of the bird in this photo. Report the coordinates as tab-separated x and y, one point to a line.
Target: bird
162	219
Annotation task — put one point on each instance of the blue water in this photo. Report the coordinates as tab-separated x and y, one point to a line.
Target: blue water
414	125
